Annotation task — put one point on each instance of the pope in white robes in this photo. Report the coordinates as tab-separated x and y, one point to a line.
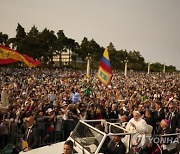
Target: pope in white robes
137	124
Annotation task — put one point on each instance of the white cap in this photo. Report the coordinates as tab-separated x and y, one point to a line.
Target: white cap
49	110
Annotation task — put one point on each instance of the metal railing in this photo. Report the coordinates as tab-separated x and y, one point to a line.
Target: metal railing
47	136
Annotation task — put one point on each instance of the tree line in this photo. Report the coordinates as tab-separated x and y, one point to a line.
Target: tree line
46	44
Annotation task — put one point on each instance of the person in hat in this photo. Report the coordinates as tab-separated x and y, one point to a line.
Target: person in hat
164	127
167	140
137	124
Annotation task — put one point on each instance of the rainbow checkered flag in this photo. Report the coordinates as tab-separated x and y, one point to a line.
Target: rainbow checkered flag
105	71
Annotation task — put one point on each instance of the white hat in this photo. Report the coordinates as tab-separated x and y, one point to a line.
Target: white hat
136	112
49	110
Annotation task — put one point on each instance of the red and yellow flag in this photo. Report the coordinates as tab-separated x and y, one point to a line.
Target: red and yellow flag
8	56
105	71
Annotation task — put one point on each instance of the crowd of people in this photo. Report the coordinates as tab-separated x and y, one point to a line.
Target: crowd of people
48	97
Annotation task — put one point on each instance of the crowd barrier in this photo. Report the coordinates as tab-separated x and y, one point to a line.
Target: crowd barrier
47	136
13	139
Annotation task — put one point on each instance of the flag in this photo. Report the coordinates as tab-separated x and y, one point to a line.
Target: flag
8	56
105	71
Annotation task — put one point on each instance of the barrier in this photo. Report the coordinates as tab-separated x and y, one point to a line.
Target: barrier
12	139
47	136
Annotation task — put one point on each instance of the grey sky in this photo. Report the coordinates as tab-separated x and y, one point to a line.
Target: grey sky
151	27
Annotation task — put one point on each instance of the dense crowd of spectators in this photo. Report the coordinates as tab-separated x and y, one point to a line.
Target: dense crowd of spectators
52	96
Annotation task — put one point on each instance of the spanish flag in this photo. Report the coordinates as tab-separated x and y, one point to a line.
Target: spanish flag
8	56
105	71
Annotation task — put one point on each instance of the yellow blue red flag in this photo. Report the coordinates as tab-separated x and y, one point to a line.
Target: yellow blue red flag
105	71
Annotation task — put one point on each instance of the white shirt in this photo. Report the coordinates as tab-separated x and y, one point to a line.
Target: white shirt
29	130
141	125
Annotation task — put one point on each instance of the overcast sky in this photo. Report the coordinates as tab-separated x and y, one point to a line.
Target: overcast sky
151	27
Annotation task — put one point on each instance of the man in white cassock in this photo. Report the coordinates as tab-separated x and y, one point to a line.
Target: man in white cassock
137	124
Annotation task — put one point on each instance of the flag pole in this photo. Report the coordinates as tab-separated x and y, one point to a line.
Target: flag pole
164	68
125	67
88	58
149	65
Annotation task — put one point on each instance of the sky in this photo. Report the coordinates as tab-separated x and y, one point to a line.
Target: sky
151	27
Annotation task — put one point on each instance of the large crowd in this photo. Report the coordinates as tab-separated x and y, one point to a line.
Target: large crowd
52	96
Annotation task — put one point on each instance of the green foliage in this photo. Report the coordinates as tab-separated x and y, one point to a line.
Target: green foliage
47	48
19	39
111	47
46	44
20	32
117	59
3	39
171	69
90	48
136	61
156	67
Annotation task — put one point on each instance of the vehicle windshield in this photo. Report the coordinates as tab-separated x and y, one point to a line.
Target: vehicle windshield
88	137
93	136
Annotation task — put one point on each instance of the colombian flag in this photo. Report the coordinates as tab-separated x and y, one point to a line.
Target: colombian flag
105	71
8	56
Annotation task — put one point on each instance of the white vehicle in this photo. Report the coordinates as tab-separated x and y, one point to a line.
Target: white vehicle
88	139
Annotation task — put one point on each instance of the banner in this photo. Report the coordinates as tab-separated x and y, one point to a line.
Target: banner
8	56
105	71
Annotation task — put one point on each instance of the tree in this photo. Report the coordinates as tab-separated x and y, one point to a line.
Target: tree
44	45
18	41
89	47
71	46
4	39
75	50
117	59
60	44
84	48
93	49
136	61
111	47
48	47
156	67
96	53
33	43
170	68
20	32
20	36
